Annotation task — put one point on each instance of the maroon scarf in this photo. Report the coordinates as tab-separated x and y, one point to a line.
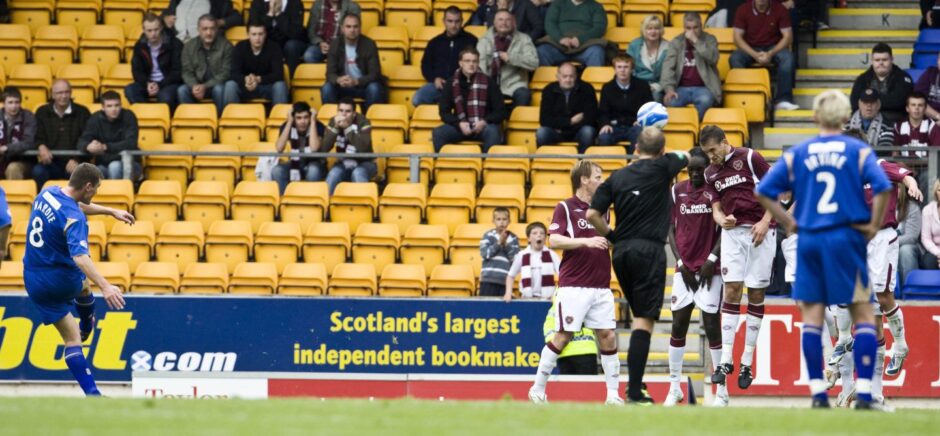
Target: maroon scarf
474	108
16	130
328	22
548	275
500	43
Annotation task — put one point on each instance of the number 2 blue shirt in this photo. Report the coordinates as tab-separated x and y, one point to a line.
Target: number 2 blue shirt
57	231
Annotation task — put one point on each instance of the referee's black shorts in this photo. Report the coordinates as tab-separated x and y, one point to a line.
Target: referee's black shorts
640	265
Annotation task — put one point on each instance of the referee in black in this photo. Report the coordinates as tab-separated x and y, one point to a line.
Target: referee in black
640	195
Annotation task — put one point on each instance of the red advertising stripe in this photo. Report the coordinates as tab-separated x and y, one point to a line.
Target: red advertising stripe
336	388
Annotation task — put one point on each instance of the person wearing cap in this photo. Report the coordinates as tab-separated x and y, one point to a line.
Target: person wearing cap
892	83
868	120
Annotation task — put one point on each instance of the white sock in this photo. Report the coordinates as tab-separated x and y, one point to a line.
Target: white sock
750	338
877	387
896	325
675	366
847	370
730	314
611	365
722	390
826	341
844	325
546	365
830	322
716	356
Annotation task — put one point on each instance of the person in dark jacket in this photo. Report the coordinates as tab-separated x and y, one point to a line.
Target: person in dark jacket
284	21
891	82
621	99
181	16
440	57
324	25
207	65
17	135
59	124
471	106
568	110
157	65
528	17
359	78
257	69
109	132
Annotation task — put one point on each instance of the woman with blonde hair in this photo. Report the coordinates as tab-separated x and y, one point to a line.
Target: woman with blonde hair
649	51
930	230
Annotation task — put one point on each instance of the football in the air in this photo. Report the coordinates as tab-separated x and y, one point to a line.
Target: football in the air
652	114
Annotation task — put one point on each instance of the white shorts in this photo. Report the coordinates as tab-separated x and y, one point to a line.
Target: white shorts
584	307
741	261
706	299
883	260
789	254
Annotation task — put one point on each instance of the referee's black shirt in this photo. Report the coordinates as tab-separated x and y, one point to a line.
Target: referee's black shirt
640	195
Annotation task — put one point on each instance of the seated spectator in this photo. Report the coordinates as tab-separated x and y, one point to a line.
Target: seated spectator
301	132
909	251
59	124
621	99
929	85
497	249
568	110
354	71
528	18
916	130
257	69
575	31
284	22
17	135
649	52
471	106
892	83
537	265
324	26
156	65
723	13
440	57
930	230
763	33
182	17
690	71
931	11
207	65
349	132
109	132
508	56
869	121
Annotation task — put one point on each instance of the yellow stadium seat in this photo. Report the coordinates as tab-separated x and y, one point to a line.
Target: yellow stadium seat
407	13
389	124
608	165
682	128
372	12
425	244
467	7
276	118
376	243
131	36
403	81
217	168
307	81
97	240
597	77
540	79
542	201
34	82
327	112
206	202
84	79
452	281
508	171
353	279
278	243
153	121
194	124
180	242
158	201
129	14
131	243
553	171
634	11
33	13
78	13
612	8
402	204
16	244
250	163
327	243
523	123
156	278
55	46
419	42
398	169
20	196
241	123
725	37
255	202
508	196
174	168
732	120
235	34
116	273
303	279
354	203
748	89
11	276
229	242
102	45
254	278
3	76
117	77
402	281
465	246
116	193
304	203
458	169
423	120
392	42
622	36
679	8
451	204
671	32
15	41
204	278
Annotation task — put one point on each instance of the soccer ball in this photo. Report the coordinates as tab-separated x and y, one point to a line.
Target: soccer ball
652	114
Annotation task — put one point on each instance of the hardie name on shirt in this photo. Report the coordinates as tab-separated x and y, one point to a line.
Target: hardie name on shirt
826	154
46	210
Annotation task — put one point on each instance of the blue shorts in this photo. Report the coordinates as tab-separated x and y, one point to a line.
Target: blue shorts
53	290
831	267
6	218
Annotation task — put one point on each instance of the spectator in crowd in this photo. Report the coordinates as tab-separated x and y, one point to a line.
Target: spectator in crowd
929	85
17	135
354	71
528	18
349	132
537	265
723	13
649	52
207	65
916	130
690	71
59	124
182	17
323	26
257	69
909	252
930	230
156	65
621	99
508	56
763	33
284	22
109	132
575	31
892	83
471	106
568	110
869	121
931	12
298	135
497	249
440	57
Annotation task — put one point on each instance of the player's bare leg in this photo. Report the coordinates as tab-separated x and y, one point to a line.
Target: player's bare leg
74	357
899	349
730	313
755	317
547	362
813	319
610	362
864	350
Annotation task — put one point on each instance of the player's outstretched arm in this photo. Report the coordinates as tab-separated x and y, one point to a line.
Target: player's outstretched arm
112	294
778	213
559	242
913	190
96	209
